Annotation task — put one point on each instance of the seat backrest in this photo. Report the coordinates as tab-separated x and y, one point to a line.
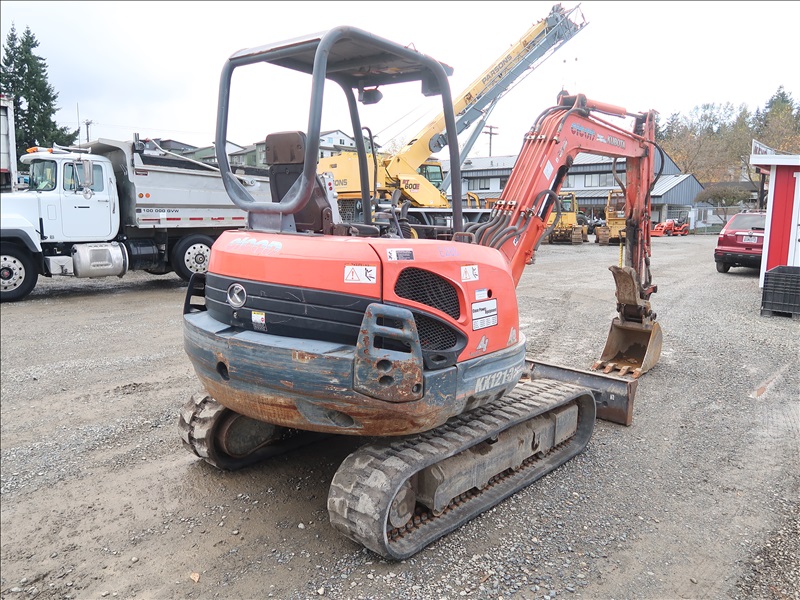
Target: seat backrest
285	153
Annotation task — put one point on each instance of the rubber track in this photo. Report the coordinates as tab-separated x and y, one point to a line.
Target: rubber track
365	484
199	419
196	423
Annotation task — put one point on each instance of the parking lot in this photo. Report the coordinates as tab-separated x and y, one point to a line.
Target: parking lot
698	498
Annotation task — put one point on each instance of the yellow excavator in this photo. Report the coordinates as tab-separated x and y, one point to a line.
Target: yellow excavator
411	175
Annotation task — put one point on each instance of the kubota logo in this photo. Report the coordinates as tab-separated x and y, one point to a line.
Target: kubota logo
237	295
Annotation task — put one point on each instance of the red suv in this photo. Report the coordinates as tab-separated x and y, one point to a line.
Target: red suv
741	241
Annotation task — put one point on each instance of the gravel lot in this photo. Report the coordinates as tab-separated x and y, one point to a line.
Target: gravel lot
697	499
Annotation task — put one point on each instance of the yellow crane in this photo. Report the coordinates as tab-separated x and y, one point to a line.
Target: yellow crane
409	175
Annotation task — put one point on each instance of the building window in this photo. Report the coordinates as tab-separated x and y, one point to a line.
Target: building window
341	142
479	183
570	182
591	180
503	182
262	155
607	180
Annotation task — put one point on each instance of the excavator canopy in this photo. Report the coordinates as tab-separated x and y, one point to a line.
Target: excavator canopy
359	62
357	58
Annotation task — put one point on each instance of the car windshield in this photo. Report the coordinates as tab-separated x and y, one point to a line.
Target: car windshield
748	221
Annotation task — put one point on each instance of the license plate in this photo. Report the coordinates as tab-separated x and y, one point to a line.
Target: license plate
749	239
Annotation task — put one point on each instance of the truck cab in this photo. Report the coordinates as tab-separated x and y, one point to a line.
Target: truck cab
54	226
71	196
112	206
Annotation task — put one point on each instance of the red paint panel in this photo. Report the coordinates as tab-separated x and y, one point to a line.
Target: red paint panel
781	216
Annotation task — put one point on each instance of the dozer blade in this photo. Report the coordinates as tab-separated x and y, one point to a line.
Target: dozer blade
613	396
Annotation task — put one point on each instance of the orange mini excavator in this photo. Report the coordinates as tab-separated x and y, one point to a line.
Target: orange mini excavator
307	325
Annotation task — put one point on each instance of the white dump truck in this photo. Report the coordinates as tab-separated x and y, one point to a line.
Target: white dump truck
8	145
110	207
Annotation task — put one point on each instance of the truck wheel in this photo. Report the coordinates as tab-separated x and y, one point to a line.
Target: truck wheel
18	274
190	255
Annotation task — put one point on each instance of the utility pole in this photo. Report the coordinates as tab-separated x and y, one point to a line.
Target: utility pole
490	133
87	122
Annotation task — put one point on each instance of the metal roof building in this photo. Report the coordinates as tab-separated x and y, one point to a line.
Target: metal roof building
590	178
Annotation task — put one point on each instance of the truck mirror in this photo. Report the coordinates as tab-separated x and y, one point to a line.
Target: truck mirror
84	175
88	174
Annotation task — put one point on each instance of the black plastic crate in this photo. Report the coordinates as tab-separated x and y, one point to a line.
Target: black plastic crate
781	292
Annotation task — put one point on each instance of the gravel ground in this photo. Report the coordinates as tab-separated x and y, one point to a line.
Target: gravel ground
698	498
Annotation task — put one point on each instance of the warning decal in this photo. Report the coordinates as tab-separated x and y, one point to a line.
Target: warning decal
469	273
259	320
360	274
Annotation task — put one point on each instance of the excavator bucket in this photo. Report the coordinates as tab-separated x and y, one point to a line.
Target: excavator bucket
634	341
631	348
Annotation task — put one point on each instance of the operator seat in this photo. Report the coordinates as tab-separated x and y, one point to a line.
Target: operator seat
285	154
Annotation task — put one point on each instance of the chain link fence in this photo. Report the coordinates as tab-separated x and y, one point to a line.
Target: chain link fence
711	219
705	220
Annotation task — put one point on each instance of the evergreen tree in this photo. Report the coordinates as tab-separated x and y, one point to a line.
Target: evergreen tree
23	75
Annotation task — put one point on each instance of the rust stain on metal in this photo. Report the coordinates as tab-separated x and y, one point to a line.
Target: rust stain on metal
302	357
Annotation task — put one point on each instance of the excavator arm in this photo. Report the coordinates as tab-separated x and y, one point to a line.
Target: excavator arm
519	219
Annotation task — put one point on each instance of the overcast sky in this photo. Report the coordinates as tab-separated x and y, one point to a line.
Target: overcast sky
153	67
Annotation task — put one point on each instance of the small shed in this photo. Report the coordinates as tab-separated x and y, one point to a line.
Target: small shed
782	233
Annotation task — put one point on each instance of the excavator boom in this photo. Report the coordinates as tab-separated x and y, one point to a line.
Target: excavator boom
518	224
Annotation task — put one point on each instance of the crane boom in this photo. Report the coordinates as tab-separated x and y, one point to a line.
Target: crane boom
475	102
535	45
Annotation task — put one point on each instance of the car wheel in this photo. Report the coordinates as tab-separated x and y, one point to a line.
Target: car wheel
18	275
190	255
723	267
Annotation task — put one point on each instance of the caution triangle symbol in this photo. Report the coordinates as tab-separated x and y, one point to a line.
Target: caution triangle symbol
352	276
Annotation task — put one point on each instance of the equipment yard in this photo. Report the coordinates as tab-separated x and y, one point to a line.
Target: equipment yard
698	498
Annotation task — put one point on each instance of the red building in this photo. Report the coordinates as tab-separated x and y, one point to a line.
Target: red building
782	234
